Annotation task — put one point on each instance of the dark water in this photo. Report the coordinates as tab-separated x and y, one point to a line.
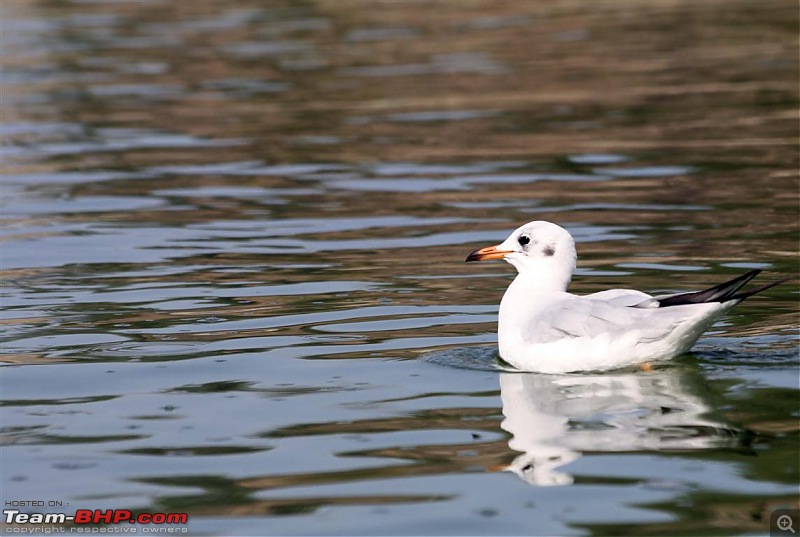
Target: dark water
233	278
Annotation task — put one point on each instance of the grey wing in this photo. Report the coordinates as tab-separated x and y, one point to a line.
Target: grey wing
625	297
584	317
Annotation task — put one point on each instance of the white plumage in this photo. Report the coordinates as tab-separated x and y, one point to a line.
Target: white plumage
544	328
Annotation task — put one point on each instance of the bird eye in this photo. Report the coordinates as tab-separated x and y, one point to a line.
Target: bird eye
524	239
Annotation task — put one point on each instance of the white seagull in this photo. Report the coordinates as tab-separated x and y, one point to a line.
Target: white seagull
543	328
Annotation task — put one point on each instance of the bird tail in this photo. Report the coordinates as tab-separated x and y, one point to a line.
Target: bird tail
723	292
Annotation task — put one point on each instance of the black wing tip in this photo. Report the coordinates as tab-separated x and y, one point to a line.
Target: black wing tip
723	292
751	292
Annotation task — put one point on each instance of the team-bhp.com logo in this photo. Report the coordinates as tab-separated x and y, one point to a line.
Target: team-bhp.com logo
154	522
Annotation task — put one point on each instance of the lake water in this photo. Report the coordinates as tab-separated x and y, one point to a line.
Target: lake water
233	279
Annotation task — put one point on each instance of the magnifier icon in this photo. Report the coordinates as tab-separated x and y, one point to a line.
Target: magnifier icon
785	523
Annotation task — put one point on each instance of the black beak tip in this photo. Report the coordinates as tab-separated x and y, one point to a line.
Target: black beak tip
472	257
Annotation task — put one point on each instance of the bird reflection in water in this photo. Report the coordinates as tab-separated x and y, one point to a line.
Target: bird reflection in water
555	419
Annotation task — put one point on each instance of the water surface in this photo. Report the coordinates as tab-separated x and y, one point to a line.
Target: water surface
233	279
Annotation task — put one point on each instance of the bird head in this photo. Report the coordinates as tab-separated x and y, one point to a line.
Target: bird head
536	249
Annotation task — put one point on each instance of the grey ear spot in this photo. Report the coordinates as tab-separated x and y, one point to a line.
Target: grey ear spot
549	250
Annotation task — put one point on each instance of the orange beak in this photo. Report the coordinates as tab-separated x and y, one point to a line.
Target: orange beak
490	252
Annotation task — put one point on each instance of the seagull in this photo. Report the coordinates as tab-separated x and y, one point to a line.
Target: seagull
543	328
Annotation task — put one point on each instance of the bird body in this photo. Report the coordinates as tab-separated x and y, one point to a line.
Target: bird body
542	327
